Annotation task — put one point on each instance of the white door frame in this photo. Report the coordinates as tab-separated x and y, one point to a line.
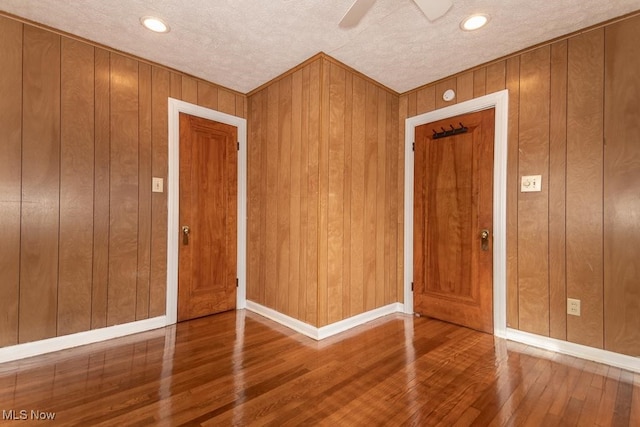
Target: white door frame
499	101
173	188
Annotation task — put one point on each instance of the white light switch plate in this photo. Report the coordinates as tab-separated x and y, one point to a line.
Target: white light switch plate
157	185
531	183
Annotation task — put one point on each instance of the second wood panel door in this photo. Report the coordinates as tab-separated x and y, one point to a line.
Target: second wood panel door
208	217
453	202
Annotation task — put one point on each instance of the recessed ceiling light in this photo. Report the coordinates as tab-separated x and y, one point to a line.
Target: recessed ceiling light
154	24
474	22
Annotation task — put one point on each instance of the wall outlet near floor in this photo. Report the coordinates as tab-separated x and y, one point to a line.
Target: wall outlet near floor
573	306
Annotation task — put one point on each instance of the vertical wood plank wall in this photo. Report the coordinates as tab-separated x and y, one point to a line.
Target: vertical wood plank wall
573	108
622	188
323	177
283	193
40	209
76	187
11	36
83	131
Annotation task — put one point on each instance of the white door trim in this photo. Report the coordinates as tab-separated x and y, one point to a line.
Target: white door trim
173	187
499	101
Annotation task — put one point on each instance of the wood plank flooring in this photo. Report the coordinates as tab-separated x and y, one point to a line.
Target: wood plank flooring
237	368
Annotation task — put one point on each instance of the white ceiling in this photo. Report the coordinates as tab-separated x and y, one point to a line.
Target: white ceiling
242	44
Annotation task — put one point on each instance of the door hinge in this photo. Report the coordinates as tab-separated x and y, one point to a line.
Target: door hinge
238	146
413	146
237	282
411	286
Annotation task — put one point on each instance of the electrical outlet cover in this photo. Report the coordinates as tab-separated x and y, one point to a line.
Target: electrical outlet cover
573	306
531	183
157	185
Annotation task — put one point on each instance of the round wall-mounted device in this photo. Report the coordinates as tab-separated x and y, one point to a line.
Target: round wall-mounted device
448	95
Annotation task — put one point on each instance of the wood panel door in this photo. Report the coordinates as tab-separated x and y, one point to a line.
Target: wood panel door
208	217
453	202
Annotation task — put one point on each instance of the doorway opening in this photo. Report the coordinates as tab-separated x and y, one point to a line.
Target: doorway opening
174	232
499	101
453	223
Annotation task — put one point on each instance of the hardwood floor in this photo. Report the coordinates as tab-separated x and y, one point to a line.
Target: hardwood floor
238	368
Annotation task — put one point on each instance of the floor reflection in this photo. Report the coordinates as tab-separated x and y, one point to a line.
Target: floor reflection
239	368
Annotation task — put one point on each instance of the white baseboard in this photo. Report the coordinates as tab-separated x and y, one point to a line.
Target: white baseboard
576	350
283	319
358	319
328	330
618	360
49	345
21	351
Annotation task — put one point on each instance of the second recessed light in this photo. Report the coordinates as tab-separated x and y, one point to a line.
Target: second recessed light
474	22
154	24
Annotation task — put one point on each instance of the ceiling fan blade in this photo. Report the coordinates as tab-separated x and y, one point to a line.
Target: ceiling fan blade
433	9
355	13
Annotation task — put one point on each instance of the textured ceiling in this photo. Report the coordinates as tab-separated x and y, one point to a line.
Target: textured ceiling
242	44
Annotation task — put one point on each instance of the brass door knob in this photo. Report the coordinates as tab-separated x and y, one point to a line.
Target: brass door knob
185	234
484	236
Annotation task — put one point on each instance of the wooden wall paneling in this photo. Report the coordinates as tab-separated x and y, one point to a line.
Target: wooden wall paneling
335	199
264	192
423	101
557	196
398	207
189	90
294	200
241	106
464	83
323	209
284	195
255	252
513	190
346	199
496	74
160	90
176	86
123	230
412	101
402	113
144	189
370	192
315	106
621	183
584	225
207	95
380	195
101	180
76	187
479	82
441	88
304	195
271	178
533	211
40	185
358	230
227	101
10	176
391	207
264	153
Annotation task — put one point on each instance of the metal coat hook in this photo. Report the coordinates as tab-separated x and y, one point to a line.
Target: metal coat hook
451	132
